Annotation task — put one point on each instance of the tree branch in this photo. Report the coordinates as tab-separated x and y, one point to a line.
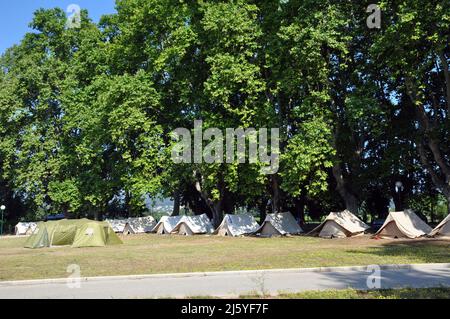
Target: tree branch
447	78
437	181
427	130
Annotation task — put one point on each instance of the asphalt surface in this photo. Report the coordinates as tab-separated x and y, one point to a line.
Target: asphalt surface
231	284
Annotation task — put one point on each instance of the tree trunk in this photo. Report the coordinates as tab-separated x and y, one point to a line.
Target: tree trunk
398	201
66	212
228	202
275	194
263	210
350	200
217	213
176	203
128	208
300	210
214	205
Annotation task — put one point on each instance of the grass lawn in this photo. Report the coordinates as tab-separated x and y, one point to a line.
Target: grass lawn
149	254
406	293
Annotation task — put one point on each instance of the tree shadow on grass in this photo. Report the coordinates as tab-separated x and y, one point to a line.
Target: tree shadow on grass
402	277
422	250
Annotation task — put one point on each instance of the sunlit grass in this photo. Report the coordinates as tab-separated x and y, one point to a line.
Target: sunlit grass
149	254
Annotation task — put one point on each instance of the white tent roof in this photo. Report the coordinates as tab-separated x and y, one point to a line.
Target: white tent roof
443	229
197	224
24	228
345	219
284	223
118	225
142	224
168	222
33	227
238	225
407	222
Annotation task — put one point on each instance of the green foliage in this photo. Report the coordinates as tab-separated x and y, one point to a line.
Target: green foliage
308	156
86	113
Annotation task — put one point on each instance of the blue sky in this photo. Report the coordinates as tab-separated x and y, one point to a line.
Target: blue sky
17	14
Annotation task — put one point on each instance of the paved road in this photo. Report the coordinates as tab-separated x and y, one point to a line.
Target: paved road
229	284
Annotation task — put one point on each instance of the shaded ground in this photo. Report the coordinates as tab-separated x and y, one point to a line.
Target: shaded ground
149	254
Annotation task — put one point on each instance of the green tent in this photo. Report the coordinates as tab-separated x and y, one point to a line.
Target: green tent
39	238
75	233
95	234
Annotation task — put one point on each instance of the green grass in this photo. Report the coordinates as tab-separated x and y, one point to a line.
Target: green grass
149	254
405	293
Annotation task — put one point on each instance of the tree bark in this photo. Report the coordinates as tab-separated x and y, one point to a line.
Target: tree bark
263	210
128	208
275	194
217	213
300	209
214	205
176	203
398	201
350	200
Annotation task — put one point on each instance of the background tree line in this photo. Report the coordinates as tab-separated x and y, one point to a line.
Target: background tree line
86	113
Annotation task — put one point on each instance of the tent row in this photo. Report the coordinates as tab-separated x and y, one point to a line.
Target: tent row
128	226
405	224
232	225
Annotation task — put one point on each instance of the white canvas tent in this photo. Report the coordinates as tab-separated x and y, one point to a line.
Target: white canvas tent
193	225
340	225
404	224
166	224
280	224
443	229
237	225
25	228
141	225
32	228
120	226
22	229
